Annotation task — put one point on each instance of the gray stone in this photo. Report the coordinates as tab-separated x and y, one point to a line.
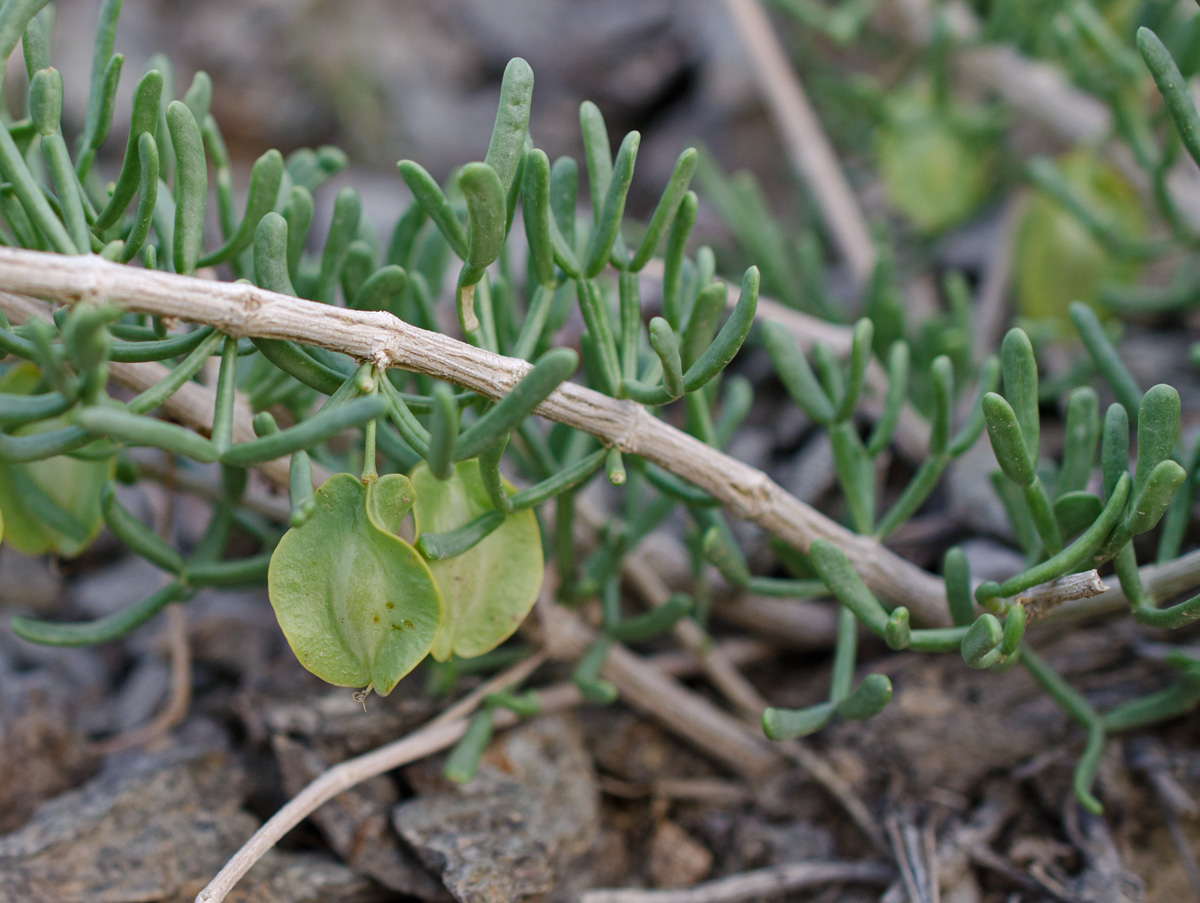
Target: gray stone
512	831
301	878
159	827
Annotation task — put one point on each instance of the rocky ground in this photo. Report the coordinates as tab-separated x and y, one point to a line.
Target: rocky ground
963	782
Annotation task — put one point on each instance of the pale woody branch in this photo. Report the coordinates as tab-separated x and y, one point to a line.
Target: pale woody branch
240	309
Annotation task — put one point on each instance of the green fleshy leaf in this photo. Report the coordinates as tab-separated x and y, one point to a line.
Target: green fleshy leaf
357	604
489	589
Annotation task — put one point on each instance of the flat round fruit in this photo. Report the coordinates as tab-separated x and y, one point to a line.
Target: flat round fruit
357	604
489	589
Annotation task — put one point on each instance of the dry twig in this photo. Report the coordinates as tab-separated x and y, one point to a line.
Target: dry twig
804	140
1042	600
755	885
243	310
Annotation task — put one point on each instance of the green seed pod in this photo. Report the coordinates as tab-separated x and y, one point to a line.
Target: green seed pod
146	100
191	186
1173	88
867	700
665	345
45	100
608	221
1157	430
664	214
981	645
897	631
787	724
1082	434
843	581
1014	629
1114	448
357	604
1008	441
1104	355
957	574
512	122
795	373
1019	370
536	207
1151	503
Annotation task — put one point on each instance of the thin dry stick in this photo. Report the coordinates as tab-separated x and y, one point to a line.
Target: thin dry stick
430	739
1042	600
1161	582
807	146
426	741
723	673
239	309
682	711
755	885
